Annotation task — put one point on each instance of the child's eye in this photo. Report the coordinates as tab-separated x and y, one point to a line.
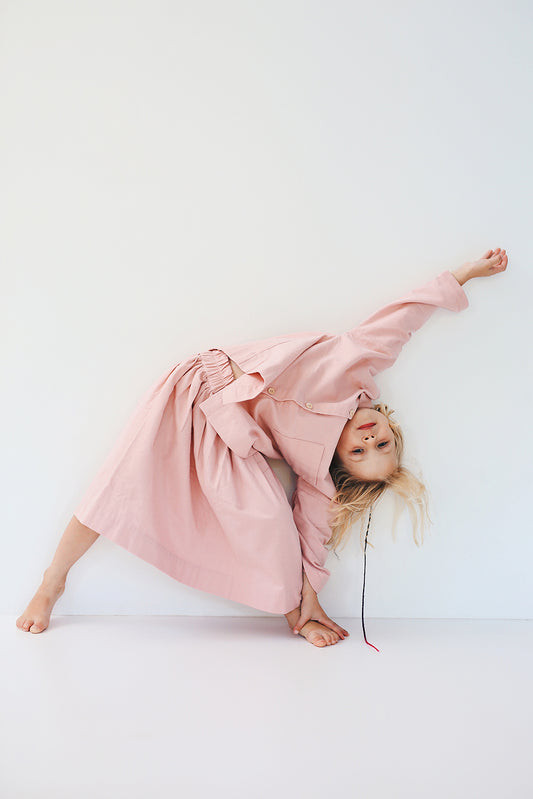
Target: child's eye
381	444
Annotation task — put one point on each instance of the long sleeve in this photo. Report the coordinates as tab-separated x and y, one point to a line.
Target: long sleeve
383	334
310	513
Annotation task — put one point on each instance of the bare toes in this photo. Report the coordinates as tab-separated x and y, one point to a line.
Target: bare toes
37	627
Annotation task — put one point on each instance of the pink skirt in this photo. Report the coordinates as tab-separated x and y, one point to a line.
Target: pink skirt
173	493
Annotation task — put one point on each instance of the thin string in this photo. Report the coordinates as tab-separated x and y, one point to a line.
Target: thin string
364	581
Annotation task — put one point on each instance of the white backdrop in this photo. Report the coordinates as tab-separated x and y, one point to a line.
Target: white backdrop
180	174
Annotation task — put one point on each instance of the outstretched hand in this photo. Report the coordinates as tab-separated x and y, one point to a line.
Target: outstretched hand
311	609
491	263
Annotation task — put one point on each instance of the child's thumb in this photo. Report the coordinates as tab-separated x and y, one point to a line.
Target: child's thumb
299	624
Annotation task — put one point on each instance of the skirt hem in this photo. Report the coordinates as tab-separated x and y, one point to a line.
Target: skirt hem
194	576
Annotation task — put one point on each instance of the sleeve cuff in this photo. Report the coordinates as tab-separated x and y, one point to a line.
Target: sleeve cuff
453	289
317	577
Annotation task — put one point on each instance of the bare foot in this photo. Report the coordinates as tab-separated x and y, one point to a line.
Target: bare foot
319	635
36	617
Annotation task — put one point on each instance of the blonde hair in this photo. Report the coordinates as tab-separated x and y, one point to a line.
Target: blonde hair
354	497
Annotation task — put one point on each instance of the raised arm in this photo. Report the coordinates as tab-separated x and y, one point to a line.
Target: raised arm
384	333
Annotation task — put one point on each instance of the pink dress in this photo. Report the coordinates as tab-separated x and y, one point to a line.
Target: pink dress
187	487
174	494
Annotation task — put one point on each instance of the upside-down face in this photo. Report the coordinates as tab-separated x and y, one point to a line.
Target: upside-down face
368	453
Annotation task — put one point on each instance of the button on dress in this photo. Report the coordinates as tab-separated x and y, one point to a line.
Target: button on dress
187	487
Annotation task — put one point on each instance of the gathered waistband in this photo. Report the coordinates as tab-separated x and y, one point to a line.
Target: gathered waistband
217	369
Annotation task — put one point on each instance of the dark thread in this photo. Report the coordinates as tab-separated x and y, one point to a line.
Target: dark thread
364	581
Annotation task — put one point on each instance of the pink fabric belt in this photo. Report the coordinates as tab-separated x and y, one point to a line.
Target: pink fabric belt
217	369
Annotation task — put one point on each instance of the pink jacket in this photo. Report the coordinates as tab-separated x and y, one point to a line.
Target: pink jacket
315	382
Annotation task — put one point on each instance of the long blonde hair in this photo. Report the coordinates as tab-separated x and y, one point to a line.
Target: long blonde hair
354	497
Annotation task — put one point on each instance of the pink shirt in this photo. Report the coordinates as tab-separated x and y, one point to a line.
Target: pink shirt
299	390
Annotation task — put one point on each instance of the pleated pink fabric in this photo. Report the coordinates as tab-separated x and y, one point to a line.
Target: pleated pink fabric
173	493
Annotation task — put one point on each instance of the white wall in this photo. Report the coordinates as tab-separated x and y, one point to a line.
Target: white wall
178	174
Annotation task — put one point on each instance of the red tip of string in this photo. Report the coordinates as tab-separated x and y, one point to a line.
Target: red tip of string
372	645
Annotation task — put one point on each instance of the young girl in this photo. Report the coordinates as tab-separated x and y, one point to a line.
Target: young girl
187	486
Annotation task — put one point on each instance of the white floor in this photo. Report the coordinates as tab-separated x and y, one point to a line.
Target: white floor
153	707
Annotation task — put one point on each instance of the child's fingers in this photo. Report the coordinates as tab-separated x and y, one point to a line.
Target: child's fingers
327	622
500	258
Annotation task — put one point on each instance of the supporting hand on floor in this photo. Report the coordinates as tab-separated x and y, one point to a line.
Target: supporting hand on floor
311	609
